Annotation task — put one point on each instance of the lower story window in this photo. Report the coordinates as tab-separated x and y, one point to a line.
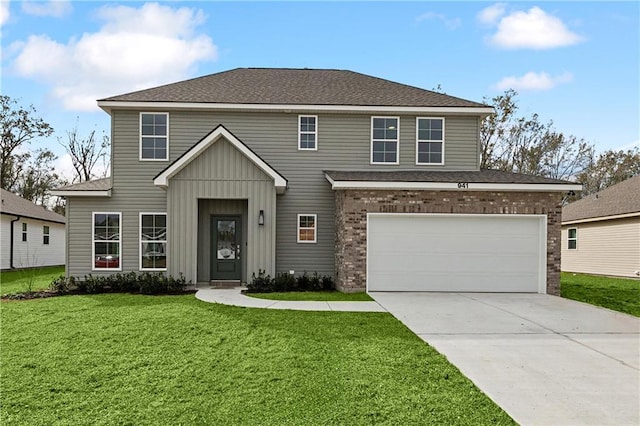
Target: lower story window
153	241
45	235
106	241
307	228
573	238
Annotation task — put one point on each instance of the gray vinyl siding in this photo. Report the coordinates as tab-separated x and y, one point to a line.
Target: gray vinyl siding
344	143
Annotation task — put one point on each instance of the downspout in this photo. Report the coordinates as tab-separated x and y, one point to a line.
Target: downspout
12	241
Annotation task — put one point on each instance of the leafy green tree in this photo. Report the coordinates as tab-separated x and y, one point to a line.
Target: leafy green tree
19	126
609	168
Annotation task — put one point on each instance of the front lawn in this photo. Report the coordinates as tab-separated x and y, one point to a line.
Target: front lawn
619	294
131	359
320	296
24	280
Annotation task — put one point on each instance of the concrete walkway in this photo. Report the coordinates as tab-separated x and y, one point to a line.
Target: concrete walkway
545	360
233	296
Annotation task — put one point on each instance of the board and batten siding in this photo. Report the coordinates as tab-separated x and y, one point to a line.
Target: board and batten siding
344	143
608	247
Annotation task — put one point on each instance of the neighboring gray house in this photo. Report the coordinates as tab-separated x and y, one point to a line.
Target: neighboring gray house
601	232
373	182
30	235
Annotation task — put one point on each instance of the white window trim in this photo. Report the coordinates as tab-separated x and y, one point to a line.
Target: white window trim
572	239
93	242
300	132
418	140
140	241
24	236
315	233
140	136
46	234
397	141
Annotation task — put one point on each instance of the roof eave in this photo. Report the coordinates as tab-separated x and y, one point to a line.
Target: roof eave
482	111
63	193
601	218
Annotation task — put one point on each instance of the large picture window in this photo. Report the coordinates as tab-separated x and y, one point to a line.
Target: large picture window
308	132
153	241
307	228
384	140
430	141
106	241
154	136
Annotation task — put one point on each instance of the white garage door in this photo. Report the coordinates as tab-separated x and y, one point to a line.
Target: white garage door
441	252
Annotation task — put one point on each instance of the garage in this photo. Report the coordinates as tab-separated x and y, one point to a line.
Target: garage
456	252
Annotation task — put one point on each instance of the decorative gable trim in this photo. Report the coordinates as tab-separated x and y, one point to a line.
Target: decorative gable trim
162	179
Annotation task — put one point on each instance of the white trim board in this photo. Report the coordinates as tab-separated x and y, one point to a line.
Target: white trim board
63	193
291	108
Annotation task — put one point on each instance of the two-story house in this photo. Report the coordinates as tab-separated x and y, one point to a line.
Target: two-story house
373	182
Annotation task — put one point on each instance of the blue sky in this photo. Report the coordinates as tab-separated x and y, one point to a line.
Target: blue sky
576	63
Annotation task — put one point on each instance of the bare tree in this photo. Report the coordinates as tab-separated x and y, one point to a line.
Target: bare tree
86	153
19	127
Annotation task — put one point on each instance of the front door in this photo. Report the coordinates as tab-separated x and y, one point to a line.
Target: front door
226	236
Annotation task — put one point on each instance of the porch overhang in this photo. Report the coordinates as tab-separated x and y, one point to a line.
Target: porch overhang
162	179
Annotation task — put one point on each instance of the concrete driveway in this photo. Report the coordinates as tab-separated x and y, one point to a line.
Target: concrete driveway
543	359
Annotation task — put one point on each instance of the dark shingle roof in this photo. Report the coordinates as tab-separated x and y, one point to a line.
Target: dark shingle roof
482	176
90	185
622	198
14	205
284	86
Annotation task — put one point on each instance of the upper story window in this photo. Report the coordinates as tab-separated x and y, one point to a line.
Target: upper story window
106	240
45	235
384	140
154	136
572	240
308	132
430	140
24	232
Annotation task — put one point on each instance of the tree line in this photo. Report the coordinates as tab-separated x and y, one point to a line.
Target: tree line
508	142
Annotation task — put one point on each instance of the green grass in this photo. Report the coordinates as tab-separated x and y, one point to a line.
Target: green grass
619	294
144	360
20	280
321	296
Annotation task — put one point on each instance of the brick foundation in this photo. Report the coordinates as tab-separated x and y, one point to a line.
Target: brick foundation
352	207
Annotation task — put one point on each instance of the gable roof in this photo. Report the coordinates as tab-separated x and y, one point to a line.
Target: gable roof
295	87
162	179
622	199
481	180
91	188
17	206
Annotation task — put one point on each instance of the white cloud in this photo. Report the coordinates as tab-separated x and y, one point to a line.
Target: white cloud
136	48
490	15
4	12
533	81
450	23
534	29
55	8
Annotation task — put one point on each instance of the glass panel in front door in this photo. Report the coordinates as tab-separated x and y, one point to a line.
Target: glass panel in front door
226	239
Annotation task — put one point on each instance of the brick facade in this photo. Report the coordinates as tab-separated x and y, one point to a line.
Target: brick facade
352	207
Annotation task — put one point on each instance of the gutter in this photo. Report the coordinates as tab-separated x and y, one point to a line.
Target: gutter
12	242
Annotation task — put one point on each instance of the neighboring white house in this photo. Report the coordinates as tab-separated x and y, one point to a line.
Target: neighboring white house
30	235
601	232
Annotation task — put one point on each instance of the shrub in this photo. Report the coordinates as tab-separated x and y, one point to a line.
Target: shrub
129	282
327	283
263	283
63	285
284	282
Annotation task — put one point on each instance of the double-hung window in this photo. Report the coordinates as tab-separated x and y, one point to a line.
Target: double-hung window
430	140
384	140
307	228
572	240
308	132
24	232
45	235
154	136
153	241
106	241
